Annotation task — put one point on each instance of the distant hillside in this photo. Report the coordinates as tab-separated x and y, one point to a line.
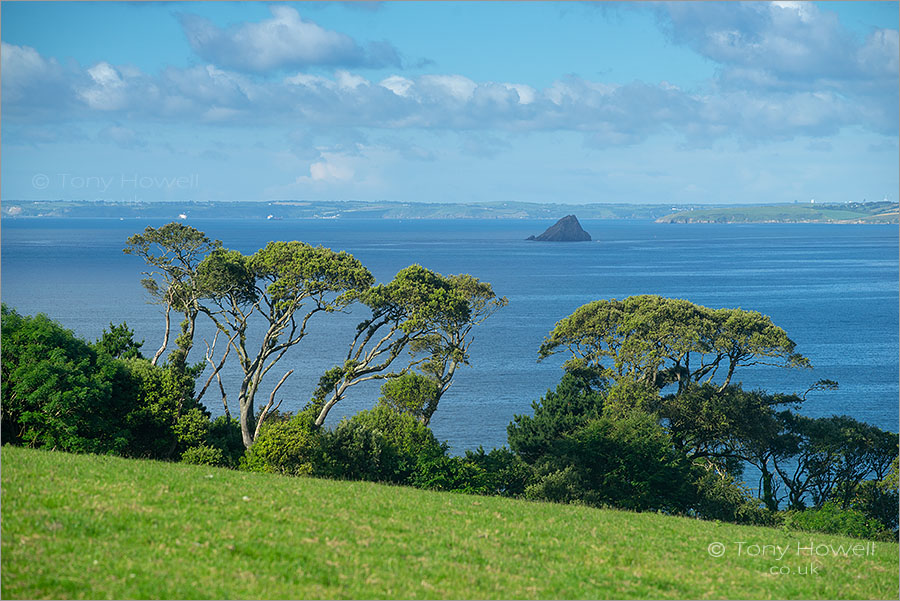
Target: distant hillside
100	527
298	209
855	212
871	212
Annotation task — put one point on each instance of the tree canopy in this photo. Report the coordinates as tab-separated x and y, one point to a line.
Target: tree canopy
173	253
662	341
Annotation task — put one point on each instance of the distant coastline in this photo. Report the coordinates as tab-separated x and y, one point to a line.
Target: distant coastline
854	212
850	212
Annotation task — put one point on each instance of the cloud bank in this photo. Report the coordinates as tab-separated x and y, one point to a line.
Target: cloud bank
784	70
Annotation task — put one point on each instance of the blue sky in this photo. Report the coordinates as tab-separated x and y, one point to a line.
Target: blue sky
697	102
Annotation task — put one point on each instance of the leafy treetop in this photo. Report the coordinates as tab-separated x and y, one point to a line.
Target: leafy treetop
661	341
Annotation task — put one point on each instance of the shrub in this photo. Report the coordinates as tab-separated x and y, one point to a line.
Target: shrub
878	502
629	463
225	435
152	422
831	519
720	497
559	486
355	451
192	428
58	392
293	447
204	455
451	474
379	444
505	473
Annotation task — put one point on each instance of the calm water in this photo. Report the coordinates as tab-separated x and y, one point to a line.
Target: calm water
833	288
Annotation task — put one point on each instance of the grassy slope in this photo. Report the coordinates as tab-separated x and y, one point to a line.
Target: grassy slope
99	527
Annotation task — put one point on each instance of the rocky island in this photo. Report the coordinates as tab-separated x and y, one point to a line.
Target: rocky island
566	229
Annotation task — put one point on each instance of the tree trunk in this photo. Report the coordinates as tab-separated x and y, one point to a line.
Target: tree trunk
731	366
246	414
768	495
165	343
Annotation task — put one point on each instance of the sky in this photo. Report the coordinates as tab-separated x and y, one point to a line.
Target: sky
581	102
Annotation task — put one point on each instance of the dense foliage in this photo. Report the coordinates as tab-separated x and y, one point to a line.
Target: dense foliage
60	392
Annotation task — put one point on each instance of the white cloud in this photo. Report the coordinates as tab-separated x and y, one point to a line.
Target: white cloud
284	41
526	93
398	85
31	82
107	92
440	87
348	81
792	45
880	55
332	168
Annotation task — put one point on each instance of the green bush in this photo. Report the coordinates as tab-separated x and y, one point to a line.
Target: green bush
505	473
560	486
225	435
192	428
58	392
153	421
720	497
293	447
204	455
831	519
451	474
379	444
355	451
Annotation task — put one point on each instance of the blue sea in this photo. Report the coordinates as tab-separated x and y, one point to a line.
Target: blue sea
833	288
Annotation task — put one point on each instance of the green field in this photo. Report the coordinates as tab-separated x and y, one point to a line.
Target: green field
870	212
102	527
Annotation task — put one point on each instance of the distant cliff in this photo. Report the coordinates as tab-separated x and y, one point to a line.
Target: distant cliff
566	229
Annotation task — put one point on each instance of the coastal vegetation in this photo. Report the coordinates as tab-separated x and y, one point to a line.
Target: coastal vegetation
648	416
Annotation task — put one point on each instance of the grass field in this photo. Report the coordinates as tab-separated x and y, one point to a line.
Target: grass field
101	527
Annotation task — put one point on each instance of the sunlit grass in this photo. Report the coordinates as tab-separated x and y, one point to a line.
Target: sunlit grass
101	527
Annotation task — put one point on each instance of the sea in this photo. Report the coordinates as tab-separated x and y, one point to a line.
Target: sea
835	289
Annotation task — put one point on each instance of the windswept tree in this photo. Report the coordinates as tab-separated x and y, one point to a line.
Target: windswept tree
286	284
660	341
173	253
448	347
420	311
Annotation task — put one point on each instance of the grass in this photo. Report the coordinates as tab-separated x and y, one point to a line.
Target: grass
103	527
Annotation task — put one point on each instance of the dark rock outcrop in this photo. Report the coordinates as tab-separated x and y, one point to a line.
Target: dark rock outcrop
566	229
